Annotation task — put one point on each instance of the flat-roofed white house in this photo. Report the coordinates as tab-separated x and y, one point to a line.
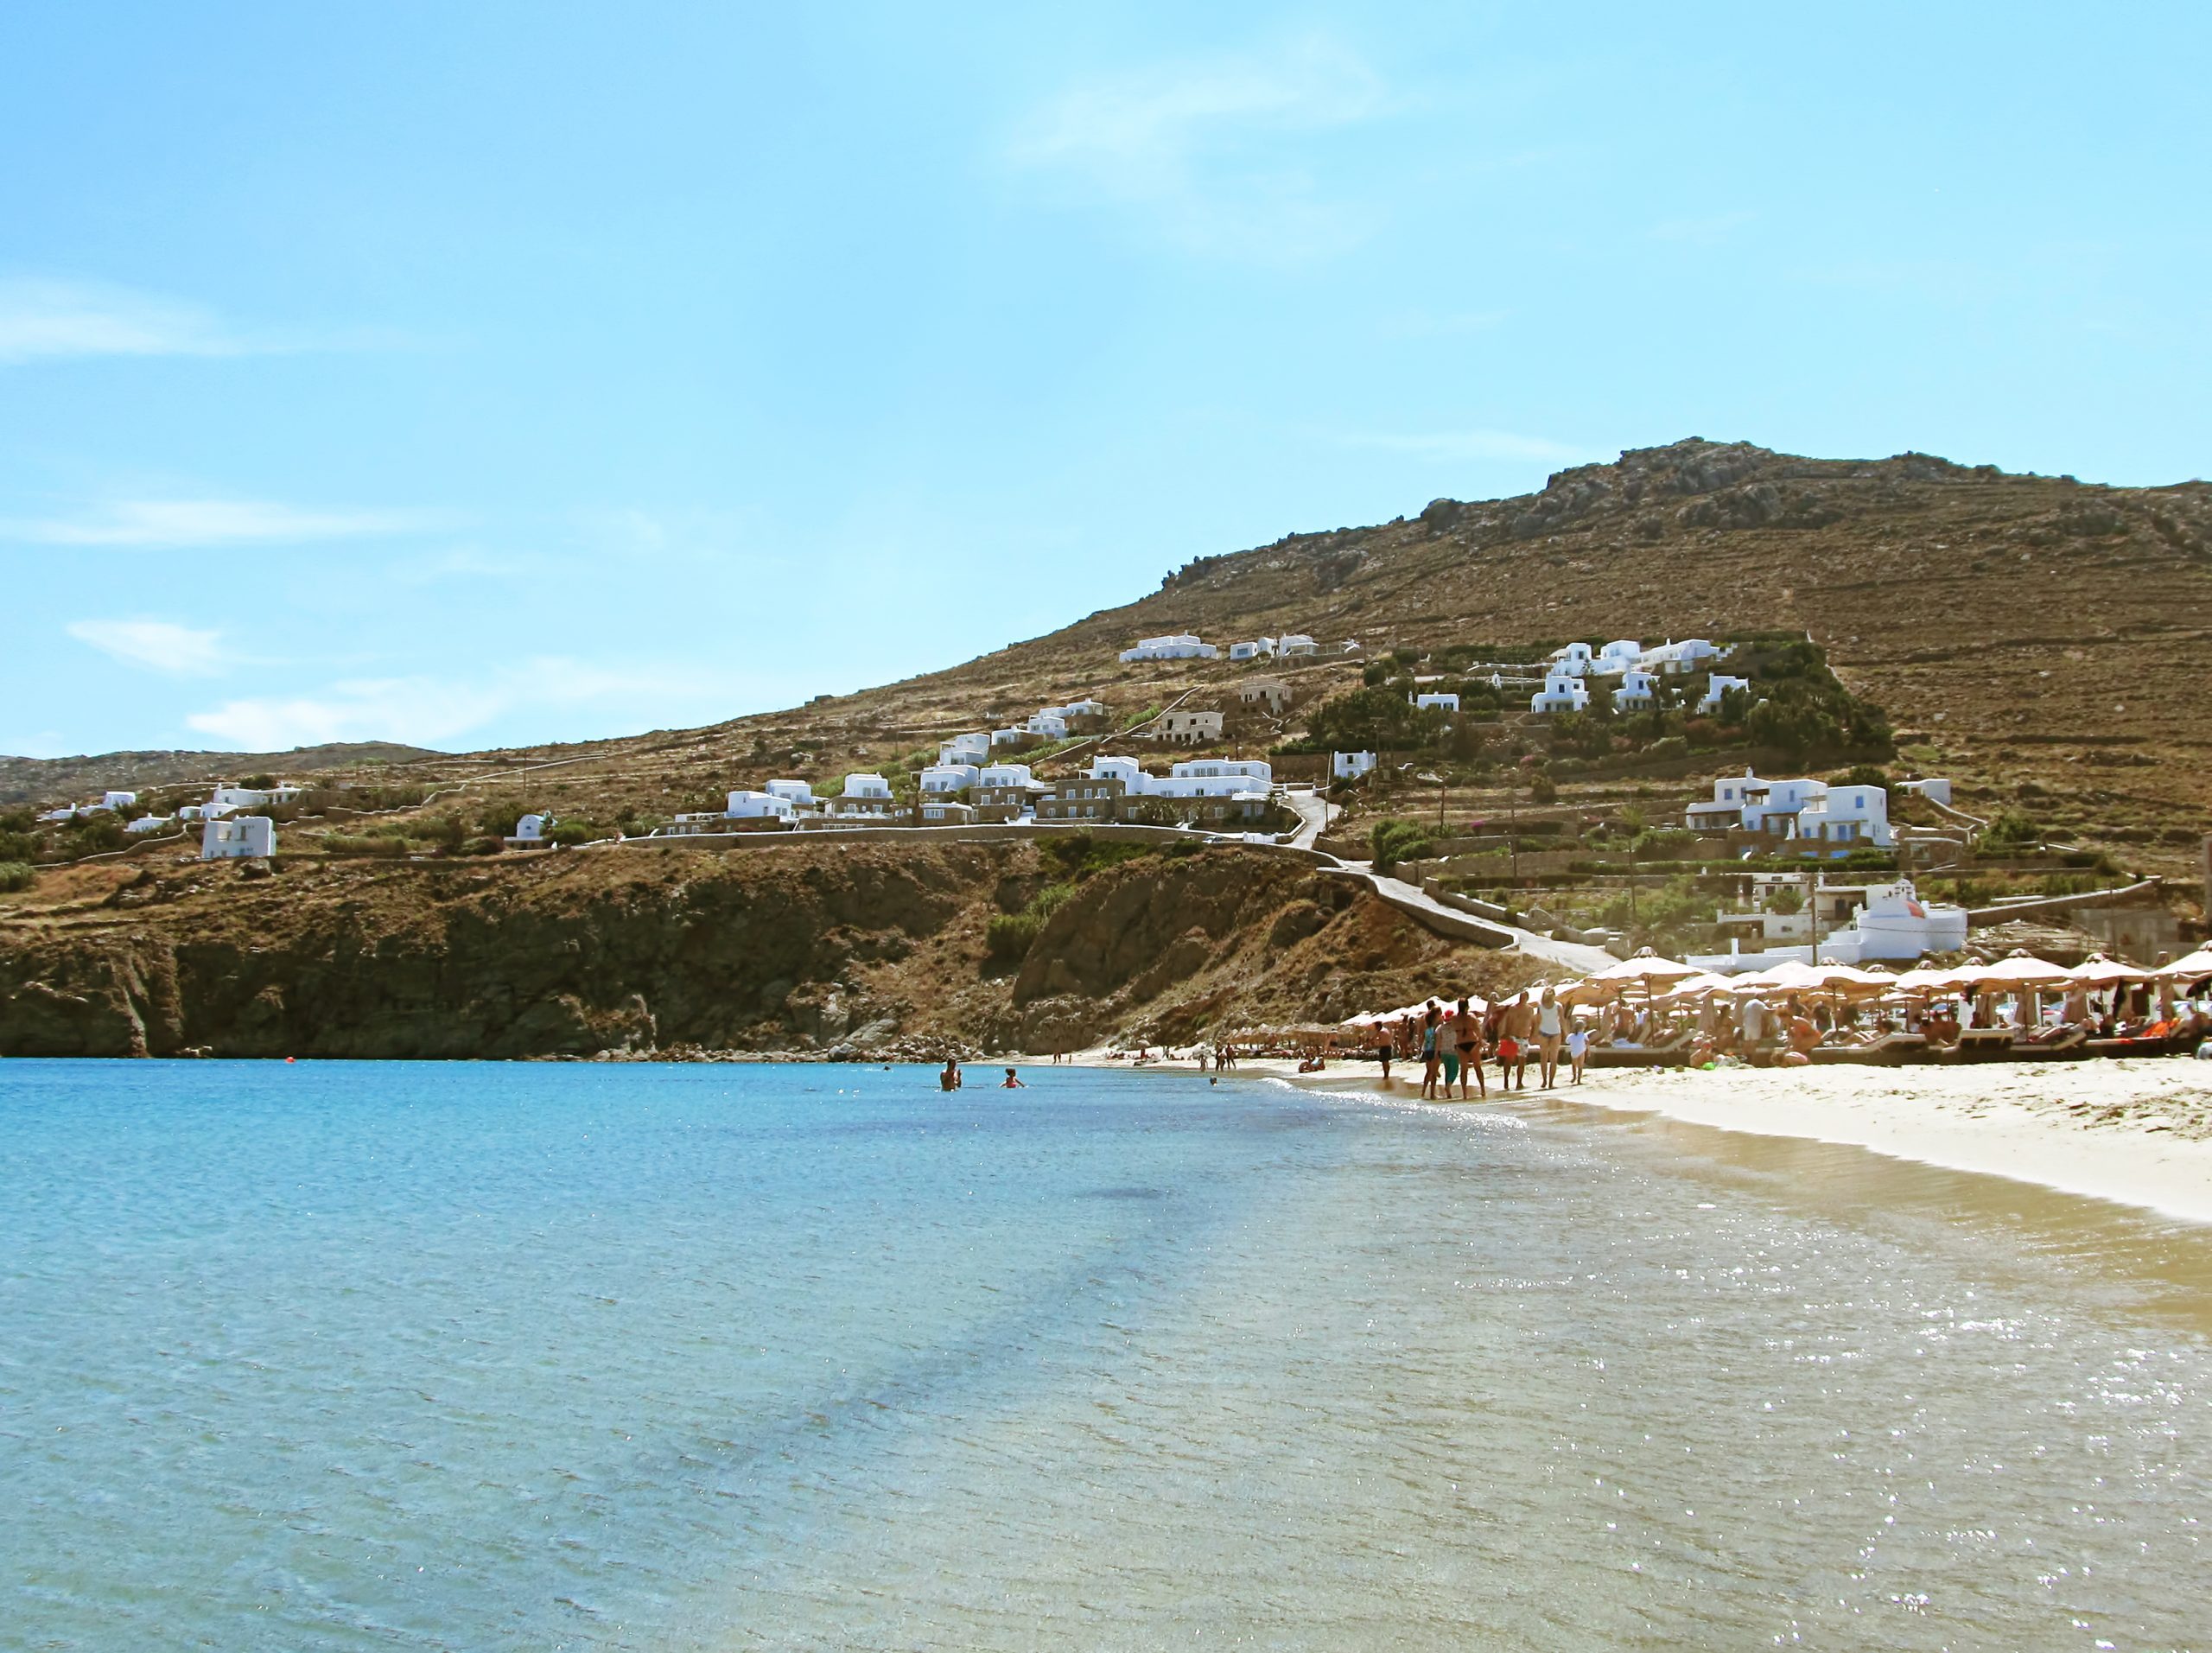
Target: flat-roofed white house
1187	729
148	824
1849	816
1672	659
1047	724
950	777
1637	691
1010	737
866	797
1717	685
798	793
1084	707
1563	691
1114	766
1436	702
1257	769
1616	656
748	805
1273	692
66	812
252	797
116	801
1182	645
1253	650
1935	789
966	748
238	837
1295	643
1574	660
1350	765
697	823
1724	809
947	811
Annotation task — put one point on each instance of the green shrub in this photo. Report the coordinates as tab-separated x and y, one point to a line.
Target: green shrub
2012	828
1009	936
16	875
1396	841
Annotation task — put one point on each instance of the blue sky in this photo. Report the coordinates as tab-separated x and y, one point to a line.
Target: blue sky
479	373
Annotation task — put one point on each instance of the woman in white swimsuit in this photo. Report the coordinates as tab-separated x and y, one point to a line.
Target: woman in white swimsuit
1551	1033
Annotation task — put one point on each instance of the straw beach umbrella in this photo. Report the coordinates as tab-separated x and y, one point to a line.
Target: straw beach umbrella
2191	967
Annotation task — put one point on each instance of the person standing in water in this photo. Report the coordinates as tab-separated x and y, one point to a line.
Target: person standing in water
1551	1033
949	1079
1467	1028
1012	1083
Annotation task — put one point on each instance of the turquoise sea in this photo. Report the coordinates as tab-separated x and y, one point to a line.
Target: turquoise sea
337	1356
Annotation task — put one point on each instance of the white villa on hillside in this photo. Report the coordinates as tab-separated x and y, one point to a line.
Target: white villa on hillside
1084	707
950	777
1350	765
798	793
149	824
1210	768
1183	645
966	748
1935	789
238	837
1616	656
1573	661
1637	691
866	797
1048	725
1674	660
1717	685
745	805
1252	651
1295	643
1435	703
1563	691
1803	809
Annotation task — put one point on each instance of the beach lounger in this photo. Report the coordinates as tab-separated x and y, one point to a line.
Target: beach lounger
1983	1045
1890	1050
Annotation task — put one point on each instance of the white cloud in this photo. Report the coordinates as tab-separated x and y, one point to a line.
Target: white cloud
1208	148
182	522
156	643
422	710
41	319
1474	444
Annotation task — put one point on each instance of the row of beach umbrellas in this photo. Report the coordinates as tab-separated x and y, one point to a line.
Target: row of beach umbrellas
1668	980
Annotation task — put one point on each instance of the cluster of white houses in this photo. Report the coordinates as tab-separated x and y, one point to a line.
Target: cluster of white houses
1211	791
1186	645
227	832
1800	816
1569	672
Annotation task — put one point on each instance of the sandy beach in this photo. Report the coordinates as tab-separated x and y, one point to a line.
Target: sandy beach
2137	1133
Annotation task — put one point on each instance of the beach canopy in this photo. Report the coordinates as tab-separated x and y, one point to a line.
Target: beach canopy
2193	967
1703	985
1931	979
2020	971
1646	970
1794	977
2097	970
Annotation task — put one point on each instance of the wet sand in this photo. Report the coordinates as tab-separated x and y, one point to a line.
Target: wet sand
2136	1132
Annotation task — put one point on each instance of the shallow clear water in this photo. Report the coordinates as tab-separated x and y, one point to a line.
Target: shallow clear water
355	1355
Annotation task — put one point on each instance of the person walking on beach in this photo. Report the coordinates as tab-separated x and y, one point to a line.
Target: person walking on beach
1430	1037
1467	1029
1521	1023
1386	1039
1578	1049
1551	1033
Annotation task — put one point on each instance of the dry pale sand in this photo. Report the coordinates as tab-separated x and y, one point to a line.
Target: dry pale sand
2136	1132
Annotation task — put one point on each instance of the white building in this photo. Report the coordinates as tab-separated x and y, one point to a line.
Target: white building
1295	643
799	793
698	823
865	786
1250	768
1572	661
238	837
947	811
966	748
116	801
1128	771
1935	789
66	812
1085	708
1252	651
1048	724
1616	656
949	778
1890	924
227	798
747	806
1350	765
1802	810
1637	691
1005	774
149	824
1563	691
1672	659
1717	685
1436	702
1009	736
1181	646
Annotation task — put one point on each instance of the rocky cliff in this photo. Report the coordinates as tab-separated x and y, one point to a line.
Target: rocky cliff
803	948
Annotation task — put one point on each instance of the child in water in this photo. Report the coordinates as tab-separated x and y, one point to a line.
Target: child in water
1010	1082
